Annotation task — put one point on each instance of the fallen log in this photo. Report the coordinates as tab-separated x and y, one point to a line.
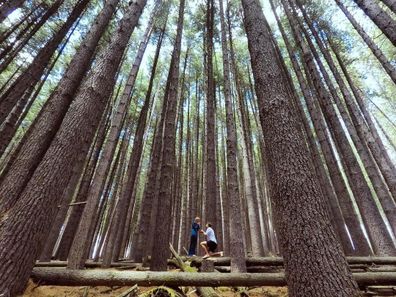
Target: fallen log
225	261
88	264
372	260
254	269
380	291
278	261
99	277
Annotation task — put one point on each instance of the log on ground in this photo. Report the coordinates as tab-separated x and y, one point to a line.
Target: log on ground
278	261
255	269
88	264
62	276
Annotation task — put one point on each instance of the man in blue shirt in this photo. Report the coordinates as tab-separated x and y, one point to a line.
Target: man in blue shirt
194	236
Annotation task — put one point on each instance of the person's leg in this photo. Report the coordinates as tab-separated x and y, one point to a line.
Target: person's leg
212	246
217	254
204	245
193	245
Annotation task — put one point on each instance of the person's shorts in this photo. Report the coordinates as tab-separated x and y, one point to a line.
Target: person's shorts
212	246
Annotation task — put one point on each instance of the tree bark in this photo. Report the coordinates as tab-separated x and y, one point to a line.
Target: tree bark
337	218
9	126
23	228
178	187
162	233
388	67
86	226
370	146
380	17
12	50
61	276
259	245
210	186
152	185
8	7
47	123
380	238
237	250
275	261
307	240
76	212
67	198
146	203
99	241
36	69
36	12
128	126
387	137
391	4
362	105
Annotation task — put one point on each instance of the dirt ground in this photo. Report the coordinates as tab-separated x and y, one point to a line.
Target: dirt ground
33	290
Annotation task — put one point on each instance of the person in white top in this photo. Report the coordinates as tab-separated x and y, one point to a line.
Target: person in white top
210	245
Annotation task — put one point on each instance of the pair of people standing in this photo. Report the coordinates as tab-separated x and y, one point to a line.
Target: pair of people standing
209	246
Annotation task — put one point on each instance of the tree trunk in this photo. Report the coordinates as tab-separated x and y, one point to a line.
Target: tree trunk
63	208
121	172
161	232
347	207
8	7
23	228
86	227
61	276
389	68
152	185
37	11
189	165
210	186
137	146
36	69
98	244
391	143
47	123
249	174
186	181
9	126
298	204
365	136
367	117
13	49
178	185
380	17
237	250
76	212
380	238
326	185
391	4
10	79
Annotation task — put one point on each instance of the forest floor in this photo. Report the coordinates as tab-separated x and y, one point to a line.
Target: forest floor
34	290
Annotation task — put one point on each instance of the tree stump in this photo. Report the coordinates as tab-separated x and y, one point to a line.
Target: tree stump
207	266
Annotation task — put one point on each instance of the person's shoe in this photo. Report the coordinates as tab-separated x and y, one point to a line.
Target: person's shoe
221	254
206	256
